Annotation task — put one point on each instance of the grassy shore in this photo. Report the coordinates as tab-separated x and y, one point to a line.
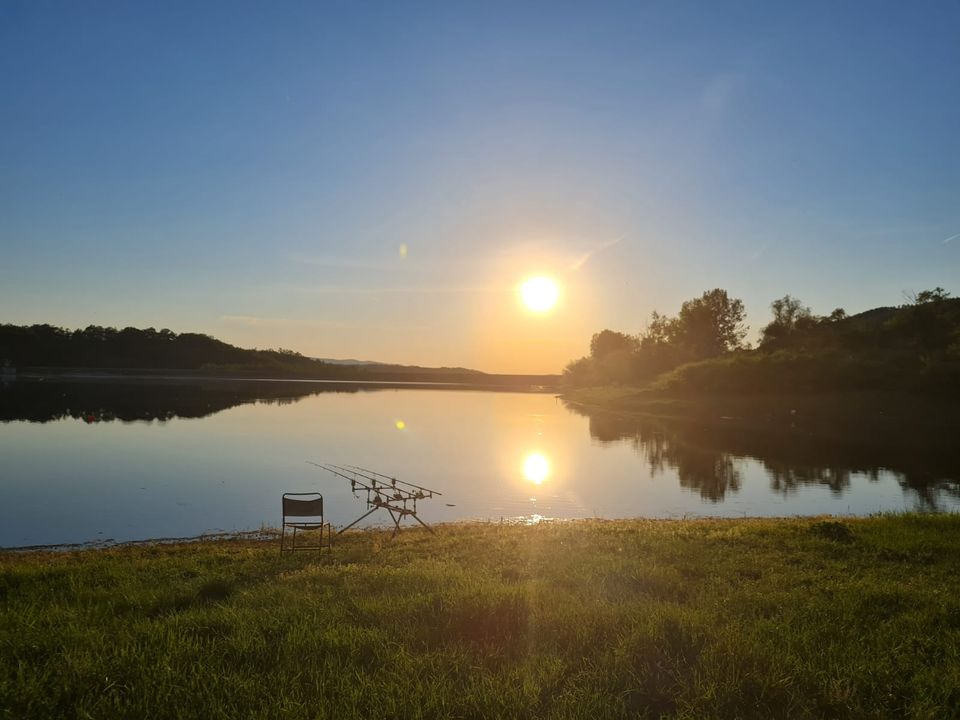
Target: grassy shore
698	619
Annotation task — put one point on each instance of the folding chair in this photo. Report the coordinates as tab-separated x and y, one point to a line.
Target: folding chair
296	505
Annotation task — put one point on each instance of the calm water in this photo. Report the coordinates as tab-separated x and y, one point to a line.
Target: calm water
96	461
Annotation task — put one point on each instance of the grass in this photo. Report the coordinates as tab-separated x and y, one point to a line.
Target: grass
589	619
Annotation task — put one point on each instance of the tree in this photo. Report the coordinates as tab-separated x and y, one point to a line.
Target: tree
608	342
788	311
661	331
938	294
789	315
579	372
931	322
711	324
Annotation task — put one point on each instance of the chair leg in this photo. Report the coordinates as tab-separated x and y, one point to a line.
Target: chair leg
292	545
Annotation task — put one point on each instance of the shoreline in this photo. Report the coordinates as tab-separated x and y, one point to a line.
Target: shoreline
853	415
266	537
437	380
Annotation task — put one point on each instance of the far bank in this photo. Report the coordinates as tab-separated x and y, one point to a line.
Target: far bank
908	420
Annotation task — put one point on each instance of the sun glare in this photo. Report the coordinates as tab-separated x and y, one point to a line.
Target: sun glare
536	468
539	294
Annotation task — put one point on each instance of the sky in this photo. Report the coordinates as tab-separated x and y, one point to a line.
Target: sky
374	180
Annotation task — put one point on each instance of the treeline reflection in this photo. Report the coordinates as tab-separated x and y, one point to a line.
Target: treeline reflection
710	459
94	401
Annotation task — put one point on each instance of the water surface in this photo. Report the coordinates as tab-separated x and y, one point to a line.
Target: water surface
115	460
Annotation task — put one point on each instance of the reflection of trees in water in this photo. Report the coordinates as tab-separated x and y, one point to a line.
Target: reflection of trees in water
926	491
124	401
708	459
786	479
929	494
712	473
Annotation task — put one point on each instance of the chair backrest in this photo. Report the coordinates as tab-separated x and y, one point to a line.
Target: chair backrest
301	507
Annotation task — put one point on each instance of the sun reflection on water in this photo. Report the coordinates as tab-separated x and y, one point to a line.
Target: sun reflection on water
536	467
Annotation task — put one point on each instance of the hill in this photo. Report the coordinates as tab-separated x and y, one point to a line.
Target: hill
914	347
45	348
910	348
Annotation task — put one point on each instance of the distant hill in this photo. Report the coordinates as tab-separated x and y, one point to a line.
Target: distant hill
106	349
930	328
871	318
349	361
393	367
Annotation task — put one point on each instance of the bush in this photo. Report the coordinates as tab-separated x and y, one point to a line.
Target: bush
783	371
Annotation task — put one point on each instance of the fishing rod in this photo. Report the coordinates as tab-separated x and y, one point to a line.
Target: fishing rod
399	492
377	496
353	481
380	494
394	480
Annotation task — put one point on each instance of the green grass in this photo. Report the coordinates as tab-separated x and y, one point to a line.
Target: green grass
686	618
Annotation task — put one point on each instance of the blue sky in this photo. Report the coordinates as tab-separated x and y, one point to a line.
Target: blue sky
251	170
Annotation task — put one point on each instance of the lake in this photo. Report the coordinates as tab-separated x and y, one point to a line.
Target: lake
125	460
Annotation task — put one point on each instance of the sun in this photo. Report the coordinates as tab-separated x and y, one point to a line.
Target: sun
539	293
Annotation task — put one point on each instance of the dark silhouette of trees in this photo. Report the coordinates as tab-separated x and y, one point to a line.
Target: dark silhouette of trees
612	355
938	294
661	331
789	312
132	348
608	342
706	327
150	351
711	324
930	325
580	373
789	315
702	349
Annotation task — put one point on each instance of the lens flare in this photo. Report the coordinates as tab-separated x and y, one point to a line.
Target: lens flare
536	468
539	294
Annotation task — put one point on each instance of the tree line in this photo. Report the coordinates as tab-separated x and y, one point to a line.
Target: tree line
707	339
130	348
134	348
